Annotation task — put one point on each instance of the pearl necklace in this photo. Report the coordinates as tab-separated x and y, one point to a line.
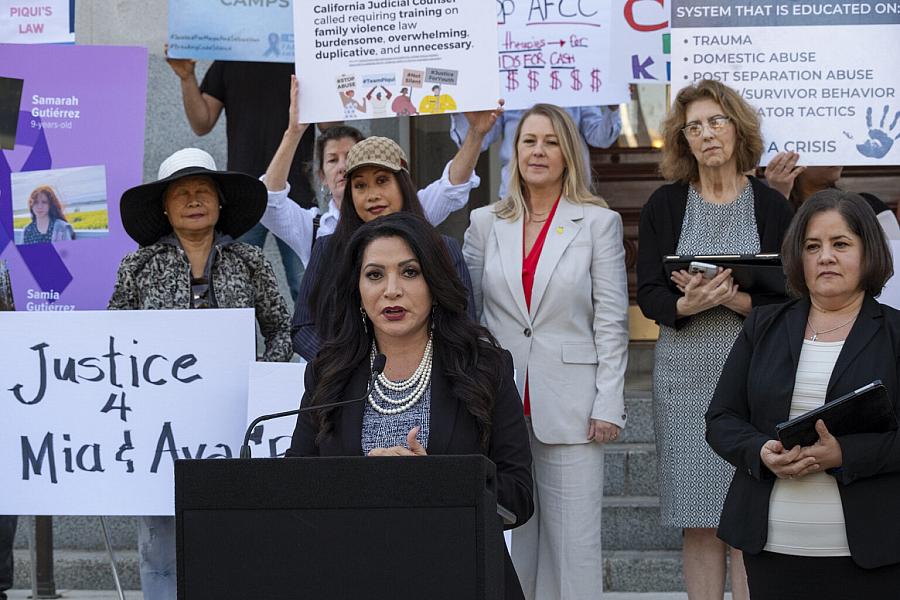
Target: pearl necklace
418	383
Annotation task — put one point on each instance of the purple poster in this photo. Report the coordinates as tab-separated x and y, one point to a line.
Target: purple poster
72	133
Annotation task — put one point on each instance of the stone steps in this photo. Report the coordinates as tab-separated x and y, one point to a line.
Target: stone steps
623	570
84	533
632	523
83	570
639	407
630	470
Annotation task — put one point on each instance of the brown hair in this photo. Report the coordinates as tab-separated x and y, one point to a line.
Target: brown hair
333	133
678	162
56	207
576	179
877	264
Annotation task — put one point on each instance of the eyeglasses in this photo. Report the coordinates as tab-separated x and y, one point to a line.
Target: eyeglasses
716	124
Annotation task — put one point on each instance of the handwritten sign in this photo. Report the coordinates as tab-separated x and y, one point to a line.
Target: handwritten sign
383	58
259	31
558	52
274	388
37	21
97	405
807	67
642	40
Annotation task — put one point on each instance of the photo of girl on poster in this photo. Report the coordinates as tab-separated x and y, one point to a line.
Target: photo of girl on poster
48	219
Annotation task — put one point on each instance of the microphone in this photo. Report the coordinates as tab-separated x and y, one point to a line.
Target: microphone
377	368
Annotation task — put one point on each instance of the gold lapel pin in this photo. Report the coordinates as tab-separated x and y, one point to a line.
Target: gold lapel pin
559	230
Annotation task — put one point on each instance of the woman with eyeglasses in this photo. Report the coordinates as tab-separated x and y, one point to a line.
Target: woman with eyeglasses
712	138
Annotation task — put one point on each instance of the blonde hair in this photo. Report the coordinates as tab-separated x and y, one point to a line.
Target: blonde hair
678	162
575	178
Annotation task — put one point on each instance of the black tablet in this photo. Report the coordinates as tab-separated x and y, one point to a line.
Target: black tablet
755	273
866	410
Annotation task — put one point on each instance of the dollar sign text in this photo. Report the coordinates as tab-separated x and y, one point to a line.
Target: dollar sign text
533	81
595	80
555	83
512	83
576	81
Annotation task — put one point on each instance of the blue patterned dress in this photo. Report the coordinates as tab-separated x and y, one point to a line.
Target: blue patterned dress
693	480
384	431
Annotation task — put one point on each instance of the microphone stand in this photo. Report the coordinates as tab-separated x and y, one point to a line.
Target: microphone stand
377	368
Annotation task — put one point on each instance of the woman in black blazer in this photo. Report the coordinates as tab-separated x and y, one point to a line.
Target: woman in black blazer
817	521
447	388
378	184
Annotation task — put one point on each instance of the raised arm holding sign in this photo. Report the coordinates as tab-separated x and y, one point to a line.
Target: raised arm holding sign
300	227
443	54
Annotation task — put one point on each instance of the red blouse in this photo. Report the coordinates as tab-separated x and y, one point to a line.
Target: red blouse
529	268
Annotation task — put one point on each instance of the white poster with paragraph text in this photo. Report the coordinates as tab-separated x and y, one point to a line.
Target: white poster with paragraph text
97	405
823	76
370	59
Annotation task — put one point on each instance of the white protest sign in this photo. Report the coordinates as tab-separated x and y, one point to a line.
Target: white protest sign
97	405
558	52
807	67
274	388
382	58
641	39
37	22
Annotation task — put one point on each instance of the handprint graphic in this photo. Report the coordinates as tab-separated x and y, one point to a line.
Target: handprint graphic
880	141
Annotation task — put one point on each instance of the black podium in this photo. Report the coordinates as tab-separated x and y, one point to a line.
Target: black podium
335	528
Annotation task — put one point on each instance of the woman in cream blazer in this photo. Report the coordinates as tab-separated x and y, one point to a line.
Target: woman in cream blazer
568	335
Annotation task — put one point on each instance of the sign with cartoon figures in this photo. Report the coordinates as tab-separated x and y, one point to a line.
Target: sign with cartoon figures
808	68
558	52
371	59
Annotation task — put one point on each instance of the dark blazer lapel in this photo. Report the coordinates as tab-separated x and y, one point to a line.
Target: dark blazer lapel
796	326
867	325
444	407
351	415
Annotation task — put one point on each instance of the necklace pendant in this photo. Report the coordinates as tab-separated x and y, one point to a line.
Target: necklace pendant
813	338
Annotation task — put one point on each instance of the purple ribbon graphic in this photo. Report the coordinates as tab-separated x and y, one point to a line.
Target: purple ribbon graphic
42	260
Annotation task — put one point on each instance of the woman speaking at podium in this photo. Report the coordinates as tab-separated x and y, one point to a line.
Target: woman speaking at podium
447	387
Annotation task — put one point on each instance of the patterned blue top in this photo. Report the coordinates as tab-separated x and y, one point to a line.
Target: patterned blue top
31	235
384	431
